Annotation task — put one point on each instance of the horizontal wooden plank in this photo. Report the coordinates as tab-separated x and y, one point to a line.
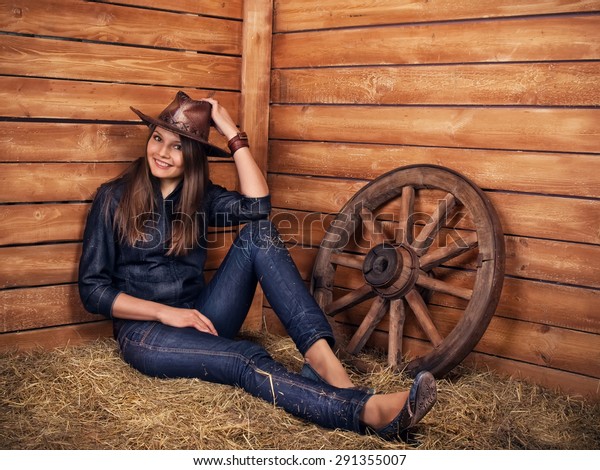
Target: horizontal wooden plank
28	142
524	39
552	379
40	265
51	58
547	129
314	14
542	173
76	142
96	21
22	97
520	214
531	215
24	223
39	182
554	261
543	84
229	9
58	337
311	194
43	182
557	348
41	307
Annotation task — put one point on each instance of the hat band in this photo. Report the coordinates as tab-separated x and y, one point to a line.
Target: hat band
180	125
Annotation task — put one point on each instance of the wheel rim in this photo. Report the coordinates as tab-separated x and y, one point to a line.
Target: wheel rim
395	231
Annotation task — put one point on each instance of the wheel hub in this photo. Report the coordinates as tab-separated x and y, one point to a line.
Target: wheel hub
391	269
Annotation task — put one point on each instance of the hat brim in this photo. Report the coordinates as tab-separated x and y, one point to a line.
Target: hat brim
211	150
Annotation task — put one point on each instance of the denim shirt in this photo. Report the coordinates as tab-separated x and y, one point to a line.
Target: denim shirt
108	267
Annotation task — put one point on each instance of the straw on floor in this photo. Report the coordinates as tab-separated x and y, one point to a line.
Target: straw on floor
86	397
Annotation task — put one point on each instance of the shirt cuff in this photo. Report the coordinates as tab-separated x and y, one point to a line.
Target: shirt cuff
258	207
106	299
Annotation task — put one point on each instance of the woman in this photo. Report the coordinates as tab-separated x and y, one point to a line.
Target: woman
142	266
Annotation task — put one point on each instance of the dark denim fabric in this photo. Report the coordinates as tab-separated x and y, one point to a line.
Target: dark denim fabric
162	351
108	268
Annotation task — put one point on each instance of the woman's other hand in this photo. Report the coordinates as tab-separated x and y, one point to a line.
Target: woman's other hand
132	308
188	318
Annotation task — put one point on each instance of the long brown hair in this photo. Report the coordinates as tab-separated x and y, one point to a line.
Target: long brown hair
137	205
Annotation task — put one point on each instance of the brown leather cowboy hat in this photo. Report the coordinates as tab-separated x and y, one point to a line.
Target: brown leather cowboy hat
187	117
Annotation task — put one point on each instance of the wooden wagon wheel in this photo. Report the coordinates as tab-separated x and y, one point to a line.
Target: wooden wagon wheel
421	243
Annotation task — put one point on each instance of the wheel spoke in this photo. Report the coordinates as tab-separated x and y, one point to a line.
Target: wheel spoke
371	232
397	317
431	229
419	308
440	286
407	207
349	300
376	313
434	258
348	260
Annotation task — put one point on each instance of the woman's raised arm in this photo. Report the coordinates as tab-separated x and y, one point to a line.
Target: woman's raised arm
252	181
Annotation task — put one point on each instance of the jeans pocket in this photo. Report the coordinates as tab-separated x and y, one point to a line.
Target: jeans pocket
135	331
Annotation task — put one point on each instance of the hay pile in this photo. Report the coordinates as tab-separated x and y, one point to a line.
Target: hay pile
88	398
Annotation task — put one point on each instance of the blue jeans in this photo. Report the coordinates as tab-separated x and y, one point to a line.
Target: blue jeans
258	254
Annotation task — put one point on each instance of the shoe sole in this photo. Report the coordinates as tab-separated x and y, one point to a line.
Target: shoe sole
426	396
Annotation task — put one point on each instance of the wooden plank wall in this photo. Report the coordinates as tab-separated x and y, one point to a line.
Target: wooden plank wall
69	70
504	92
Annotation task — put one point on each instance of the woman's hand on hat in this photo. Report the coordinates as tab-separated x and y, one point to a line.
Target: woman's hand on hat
224	123
188	318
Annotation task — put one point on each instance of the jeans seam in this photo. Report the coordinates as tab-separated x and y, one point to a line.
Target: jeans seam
150	347
143	338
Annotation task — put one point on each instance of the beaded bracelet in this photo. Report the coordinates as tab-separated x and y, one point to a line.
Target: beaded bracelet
237	142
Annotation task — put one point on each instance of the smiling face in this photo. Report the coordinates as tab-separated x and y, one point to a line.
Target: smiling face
165	158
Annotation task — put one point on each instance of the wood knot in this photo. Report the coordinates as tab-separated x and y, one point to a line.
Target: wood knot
17	12
545	358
